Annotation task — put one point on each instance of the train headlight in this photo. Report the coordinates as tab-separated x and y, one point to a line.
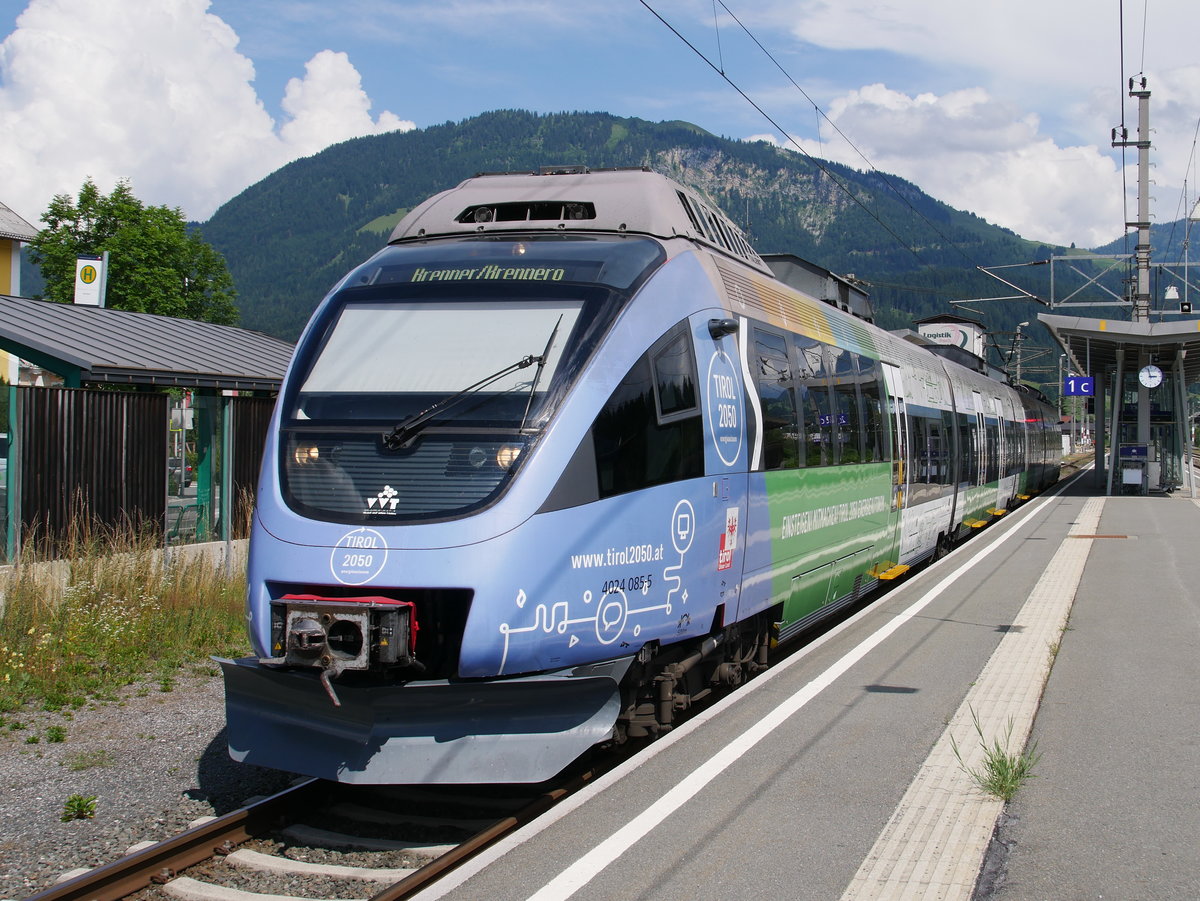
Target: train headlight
507	455
304	454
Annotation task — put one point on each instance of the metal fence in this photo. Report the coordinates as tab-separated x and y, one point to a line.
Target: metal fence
251	417
86	459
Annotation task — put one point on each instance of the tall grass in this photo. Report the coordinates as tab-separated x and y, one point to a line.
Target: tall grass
114	610
1002	771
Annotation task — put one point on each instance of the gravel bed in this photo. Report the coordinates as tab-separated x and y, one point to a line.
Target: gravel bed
154	760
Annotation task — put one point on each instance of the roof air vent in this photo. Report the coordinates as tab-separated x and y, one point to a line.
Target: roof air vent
528	211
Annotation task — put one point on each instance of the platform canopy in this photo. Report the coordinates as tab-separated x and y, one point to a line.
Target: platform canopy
1094	344
92	345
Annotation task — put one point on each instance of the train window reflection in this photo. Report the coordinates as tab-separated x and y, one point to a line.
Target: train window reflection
438	348
675	379
781	427
634	446
813	385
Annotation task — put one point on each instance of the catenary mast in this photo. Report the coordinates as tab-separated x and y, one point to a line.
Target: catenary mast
1141	298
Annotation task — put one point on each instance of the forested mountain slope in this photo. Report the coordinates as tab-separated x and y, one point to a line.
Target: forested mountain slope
288	238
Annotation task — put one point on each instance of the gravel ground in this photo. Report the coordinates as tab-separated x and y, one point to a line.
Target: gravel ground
154	761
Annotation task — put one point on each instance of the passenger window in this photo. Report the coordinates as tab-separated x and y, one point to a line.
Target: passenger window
870	389
647	434
813	386
924	448
847	422
675	378
948	432
781	429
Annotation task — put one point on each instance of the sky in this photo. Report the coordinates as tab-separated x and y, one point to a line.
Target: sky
1003	109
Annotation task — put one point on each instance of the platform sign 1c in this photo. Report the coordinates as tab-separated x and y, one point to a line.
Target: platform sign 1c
1078	386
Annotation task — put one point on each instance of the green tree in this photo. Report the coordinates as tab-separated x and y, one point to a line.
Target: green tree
155	264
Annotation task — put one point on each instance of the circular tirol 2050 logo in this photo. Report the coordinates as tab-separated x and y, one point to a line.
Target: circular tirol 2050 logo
358	557
724	399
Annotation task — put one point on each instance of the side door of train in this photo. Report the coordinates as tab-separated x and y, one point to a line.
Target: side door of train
1007	489
976	494
903	524
719	348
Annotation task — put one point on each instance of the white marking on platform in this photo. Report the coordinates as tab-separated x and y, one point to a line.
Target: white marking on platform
934	844
586	868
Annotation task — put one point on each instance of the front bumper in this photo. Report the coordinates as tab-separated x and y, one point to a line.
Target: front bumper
437	732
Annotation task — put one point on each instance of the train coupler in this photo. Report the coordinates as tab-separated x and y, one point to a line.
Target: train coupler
335	635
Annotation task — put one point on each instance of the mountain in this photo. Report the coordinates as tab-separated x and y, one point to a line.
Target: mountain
1166	240
288	238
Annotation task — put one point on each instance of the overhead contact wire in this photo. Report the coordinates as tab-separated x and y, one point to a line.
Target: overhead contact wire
821	115
816	162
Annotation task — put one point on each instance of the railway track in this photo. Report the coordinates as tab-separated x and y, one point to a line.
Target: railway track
318	840
326	841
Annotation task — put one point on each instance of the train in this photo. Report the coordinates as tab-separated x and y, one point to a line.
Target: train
568	455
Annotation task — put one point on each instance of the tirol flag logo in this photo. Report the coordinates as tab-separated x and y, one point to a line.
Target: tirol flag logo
728	540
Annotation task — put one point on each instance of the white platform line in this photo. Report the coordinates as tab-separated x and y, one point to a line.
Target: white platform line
587	867
1027	515
933	846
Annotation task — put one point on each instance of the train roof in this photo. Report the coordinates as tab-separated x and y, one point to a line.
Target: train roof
844	292
630	200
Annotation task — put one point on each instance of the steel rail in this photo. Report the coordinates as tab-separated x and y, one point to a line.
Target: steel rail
162	860
435	869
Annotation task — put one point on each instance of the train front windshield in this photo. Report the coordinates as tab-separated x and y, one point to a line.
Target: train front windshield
434	369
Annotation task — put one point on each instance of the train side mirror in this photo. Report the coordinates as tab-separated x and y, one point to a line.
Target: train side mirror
719	328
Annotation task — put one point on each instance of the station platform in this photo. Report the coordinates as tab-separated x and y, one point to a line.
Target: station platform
842	773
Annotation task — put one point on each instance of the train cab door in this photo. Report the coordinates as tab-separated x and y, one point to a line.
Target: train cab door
720	352
902	528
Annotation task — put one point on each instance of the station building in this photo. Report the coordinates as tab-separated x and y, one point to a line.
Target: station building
113	418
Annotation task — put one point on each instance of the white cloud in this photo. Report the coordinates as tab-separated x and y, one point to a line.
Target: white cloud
767	138
157	93
1063	47
981	155
1025	95
329	105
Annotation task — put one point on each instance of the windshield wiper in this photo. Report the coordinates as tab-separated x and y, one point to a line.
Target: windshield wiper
537	376
410	427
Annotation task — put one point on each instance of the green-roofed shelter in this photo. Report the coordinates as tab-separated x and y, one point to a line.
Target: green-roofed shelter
100	443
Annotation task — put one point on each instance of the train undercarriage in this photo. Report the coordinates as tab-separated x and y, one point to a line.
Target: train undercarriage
347	676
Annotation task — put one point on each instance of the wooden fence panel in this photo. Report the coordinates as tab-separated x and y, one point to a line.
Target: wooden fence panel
90	458
251	418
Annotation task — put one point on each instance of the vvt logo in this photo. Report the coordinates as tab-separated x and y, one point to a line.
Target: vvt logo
385	501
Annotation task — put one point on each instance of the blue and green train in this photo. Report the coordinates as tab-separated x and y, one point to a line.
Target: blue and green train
566	455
